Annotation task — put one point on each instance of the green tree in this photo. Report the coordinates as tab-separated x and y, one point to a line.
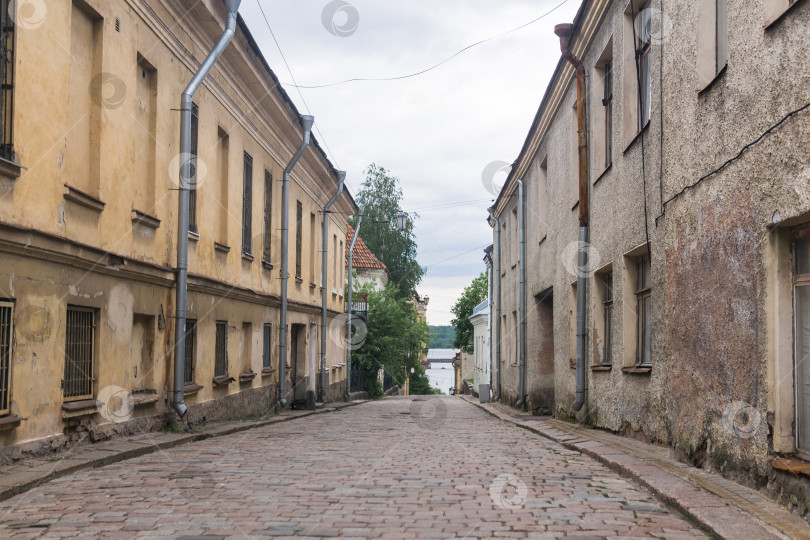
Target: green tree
442	337
473	295
394	335
381	197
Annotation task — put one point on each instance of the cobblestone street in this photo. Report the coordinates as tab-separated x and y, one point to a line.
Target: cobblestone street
397	468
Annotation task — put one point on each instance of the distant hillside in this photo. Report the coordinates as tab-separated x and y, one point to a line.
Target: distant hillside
442	337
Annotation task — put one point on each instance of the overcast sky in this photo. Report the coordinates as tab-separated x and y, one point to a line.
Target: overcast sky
436	132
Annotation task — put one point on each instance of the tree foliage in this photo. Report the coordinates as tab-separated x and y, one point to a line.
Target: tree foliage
394	335
473	294
442	337
381	198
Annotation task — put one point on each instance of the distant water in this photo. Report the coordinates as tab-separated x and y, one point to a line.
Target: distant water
442	376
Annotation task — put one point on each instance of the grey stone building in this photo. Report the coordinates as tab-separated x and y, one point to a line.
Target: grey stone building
696	314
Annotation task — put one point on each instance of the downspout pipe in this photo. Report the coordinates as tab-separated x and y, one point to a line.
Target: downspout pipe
350	315
306	122
325	276
565	33
522	269
491	271
497	315
178	402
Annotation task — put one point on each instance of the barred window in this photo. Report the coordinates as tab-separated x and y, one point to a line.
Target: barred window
221	347
191	350
6	333
266	351
79	353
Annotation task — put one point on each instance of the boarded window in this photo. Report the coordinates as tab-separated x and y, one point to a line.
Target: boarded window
79	349
221	350
191	351
6	333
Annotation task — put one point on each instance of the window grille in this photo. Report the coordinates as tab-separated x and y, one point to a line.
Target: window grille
79	353
221	359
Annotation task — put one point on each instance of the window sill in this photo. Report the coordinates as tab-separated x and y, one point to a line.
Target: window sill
637	370
791	465
223	381
84	407
83	199
194	236
144	397
298	280
142	218
572	363
540	243
267	264
222	248
603	174
267	372
312	286
191	389
247	257
636	137
576	205
7	423
246	377
10	169
719	75
781	16
601	368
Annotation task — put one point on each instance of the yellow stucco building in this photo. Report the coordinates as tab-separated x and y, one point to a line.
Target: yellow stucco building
88	224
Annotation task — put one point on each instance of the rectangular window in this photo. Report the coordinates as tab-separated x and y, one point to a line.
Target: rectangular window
607	103
266	351
299	240
513	238
607	303
801	299
80	332
774	9
6	333
192	190
643	311
334	264
643	45
247	206
542	188
268	215
145	135
574	182
312	248
572	327
191	351
222	169
7	81
221	350
341	283
638	37
712	33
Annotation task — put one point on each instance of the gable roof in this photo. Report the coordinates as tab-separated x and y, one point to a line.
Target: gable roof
362	257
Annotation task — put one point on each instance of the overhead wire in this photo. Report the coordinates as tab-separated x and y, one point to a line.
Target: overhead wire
457	256
431	68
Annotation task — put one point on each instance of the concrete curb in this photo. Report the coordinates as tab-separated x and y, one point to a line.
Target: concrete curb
98	455
673	484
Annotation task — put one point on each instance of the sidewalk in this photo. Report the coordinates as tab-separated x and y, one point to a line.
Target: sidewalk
29	473
727	509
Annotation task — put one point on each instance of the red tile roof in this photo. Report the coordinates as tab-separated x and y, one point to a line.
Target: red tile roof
362	256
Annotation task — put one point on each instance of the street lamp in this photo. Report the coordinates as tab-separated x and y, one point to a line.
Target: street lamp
402	221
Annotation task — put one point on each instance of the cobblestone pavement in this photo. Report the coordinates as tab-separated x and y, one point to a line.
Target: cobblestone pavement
397	468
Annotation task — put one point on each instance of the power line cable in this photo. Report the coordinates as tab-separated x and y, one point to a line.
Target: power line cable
457	256
431	68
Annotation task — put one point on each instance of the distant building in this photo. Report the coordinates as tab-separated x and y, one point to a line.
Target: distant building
367	267
481	365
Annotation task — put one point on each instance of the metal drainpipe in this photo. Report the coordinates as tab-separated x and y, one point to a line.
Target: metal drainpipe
325	276
306	122
522	269
349	310
565	33
178	403
497	302
491	268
